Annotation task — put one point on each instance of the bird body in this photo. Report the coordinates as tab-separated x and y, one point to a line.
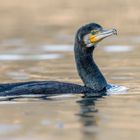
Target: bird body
41	87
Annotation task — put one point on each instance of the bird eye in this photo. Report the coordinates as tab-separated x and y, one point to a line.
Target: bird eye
93	32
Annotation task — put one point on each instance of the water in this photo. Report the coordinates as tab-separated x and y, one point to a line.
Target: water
36	43
73	116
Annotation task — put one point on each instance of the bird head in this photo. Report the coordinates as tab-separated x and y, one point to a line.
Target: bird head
91	34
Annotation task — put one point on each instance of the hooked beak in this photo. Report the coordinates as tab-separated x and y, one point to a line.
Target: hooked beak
93	39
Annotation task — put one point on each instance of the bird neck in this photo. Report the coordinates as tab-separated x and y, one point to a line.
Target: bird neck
87	68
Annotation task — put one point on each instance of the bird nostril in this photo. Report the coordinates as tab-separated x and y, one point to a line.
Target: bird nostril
115	32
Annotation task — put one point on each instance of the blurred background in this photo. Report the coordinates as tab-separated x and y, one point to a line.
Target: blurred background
44	19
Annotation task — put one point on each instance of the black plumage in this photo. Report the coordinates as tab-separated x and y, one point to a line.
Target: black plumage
85	41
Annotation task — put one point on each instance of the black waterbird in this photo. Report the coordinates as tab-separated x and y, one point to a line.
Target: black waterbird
86	40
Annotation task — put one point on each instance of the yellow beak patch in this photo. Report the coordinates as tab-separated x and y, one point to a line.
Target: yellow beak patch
92	38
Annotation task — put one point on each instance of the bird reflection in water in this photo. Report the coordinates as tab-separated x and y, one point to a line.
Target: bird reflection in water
89	115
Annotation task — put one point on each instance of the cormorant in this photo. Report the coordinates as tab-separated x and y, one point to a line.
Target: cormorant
86	40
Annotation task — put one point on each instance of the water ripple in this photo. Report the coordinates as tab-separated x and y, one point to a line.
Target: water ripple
5	128
118	48
14	57
59	48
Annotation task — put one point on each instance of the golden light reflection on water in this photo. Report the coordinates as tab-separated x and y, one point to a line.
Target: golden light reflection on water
26	27
73	116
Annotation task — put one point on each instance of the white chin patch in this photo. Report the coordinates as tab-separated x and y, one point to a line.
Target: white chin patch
87	41
89	45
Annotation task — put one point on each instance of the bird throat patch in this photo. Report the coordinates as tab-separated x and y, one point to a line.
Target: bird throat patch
92	38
